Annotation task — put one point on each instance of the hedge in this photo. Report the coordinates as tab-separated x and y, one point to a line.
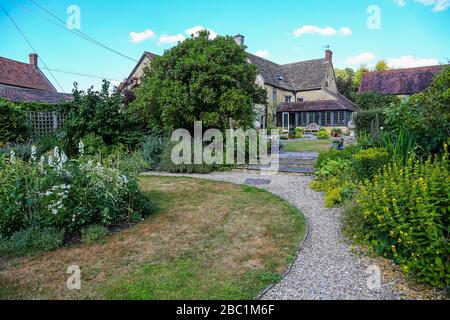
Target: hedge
365	119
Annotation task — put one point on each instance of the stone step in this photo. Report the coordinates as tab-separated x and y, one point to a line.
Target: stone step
297	162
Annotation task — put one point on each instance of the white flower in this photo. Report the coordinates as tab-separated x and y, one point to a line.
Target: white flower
81	148
12	157
33	153
55	211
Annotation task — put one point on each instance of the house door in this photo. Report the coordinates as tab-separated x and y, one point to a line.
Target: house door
286	122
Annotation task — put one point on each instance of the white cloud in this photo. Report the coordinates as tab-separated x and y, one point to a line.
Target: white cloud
410	62
262	54
167	39
137	37
326	32
195	31
345	32
362	58
438	5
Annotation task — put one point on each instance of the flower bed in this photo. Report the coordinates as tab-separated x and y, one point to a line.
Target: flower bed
69	195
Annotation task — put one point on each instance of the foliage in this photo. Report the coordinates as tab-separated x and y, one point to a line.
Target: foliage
336	132
381	66
370	100
406	217
332	154
22	151
93	233
345	82
98	113
32	239
368	162
299	133
369	120
323	134
358	76
426	115
13	123
67	194
152	151
199	79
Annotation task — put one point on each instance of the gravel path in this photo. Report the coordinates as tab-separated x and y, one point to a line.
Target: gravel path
325	267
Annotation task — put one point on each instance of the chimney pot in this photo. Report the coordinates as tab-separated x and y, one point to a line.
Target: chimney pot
33	59
239	39
329	55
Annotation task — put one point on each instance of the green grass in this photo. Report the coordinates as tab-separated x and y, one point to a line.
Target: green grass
307	145
209	240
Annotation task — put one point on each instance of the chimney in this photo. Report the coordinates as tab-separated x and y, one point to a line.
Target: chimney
329	55
34	59
239	39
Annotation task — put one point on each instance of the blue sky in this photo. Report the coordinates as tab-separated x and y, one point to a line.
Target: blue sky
412	32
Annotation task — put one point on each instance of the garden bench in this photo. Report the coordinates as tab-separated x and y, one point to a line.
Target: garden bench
313	127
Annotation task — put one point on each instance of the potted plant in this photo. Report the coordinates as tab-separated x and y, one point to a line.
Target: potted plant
336	132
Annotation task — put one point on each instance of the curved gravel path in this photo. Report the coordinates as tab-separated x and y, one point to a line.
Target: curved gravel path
326	268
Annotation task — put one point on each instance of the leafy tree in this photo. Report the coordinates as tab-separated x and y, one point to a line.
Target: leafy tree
98	113
371	100
345	81
199	79
358	76
381	66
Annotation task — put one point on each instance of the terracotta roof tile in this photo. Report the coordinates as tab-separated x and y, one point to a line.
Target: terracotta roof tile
32	95
19	74
400	81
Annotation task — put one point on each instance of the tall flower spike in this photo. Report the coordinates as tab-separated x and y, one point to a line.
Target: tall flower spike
81	148
33	153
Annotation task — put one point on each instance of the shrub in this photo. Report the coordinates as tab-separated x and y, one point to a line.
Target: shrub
368	162
366	120
332	154
13	123
94	144
406	217
323	134
67	194
22	151
299	133
152	151
369	101
93	233
336	132
32	239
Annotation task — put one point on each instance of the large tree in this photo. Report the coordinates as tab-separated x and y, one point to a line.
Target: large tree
345	82
199	80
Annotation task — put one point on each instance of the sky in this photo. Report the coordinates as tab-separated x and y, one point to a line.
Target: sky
406	33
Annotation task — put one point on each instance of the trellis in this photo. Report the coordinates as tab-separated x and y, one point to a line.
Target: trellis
45	123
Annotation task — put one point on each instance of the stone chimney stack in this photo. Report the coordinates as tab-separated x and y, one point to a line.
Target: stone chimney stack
329	55
34	60
239	39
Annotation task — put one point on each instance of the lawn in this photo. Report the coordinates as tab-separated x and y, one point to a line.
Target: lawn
208	240
307	145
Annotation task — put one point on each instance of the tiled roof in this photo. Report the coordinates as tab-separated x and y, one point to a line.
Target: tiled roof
19	74
341	103
299	76
307	75
32	95
399	82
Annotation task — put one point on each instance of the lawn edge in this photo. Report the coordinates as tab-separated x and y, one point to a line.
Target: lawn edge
302	243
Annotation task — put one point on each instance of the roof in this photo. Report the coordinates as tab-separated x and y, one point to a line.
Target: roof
341	104
299	76
24	75
32	95
146	54
400	81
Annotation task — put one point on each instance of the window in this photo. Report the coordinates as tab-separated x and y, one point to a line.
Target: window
300	99
287	98
328	119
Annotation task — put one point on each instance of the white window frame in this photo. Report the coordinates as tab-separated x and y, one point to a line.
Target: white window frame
283	123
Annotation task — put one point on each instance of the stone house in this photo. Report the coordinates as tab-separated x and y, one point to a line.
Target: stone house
298	94
25	82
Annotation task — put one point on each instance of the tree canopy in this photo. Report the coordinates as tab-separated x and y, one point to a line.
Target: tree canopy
199	80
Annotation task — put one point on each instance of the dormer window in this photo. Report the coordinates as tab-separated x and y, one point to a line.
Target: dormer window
300	99
287	98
